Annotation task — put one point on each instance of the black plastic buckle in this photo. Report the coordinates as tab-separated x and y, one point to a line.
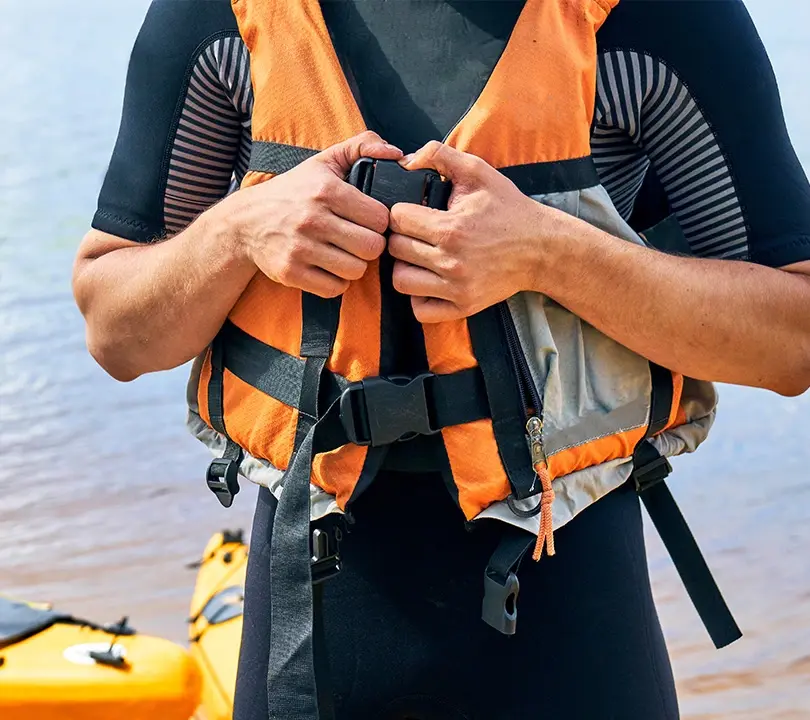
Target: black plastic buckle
222	478
380	411
651	474
500	602
390	183
325	554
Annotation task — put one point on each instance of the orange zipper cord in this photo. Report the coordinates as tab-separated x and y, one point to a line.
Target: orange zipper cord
545	536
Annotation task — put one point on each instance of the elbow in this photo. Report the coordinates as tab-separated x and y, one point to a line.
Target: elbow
110	358
796	380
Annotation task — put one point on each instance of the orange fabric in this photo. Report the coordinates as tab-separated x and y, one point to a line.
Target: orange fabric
476	465
677	392
260	424
301	95
539	101
356	354
611	447
271	313
202	388
448	345
337	472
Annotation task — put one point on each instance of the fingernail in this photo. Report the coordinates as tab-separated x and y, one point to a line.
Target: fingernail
407	158
392	147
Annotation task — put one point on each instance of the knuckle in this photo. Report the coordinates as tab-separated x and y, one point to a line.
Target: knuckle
380	219
433	147
453	267
286	271
371	246
323	189
357	270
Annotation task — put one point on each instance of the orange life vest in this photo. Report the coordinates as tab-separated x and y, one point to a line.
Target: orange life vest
529	400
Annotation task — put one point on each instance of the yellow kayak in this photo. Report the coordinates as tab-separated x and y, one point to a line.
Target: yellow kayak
215	628
54	667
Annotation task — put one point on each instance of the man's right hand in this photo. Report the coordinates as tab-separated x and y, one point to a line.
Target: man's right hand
308	228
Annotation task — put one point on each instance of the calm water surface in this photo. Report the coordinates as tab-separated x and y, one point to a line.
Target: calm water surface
101	492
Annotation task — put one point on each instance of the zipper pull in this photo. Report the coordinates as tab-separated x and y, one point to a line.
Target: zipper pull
534	429
545	536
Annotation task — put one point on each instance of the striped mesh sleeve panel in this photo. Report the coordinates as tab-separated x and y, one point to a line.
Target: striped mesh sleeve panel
211	147
645	114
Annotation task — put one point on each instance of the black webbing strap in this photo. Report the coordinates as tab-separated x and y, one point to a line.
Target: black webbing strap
276	158
532	178
506	405
501	586
650	471
293	690
553	177
222	476
453	399
216	409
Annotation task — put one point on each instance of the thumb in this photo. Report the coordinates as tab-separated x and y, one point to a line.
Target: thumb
460	167
339	158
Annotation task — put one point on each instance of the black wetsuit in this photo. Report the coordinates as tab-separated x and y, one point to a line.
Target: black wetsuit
686	100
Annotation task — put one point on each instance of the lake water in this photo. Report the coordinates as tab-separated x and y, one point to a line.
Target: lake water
102	500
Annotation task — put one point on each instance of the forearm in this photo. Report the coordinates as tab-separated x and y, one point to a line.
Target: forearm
717	320
154	307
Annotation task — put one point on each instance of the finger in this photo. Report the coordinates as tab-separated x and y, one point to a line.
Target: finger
348	202
460	167
334	260
354	239
340	158
416	252
417	221
413	280
319	282
432	310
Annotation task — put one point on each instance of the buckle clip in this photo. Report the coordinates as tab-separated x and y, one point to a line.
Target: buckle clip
499	608
222	478
381	411
390	183
651	474
325	556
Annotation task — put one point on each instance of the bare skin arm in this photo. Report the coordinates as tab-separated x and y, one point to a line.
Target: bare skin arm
154	307
725	321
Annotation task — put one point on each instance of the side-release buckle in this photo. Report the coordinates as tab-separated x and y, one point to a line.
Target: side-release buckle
651	473
222	478
325	554
379	411
499	608
390	183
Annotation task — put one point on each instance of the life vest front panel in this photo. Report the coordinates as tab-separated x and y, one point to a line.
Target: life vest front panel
536	108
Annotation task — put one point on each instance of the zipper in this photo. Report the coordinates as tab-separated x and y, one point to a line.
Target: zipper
532	403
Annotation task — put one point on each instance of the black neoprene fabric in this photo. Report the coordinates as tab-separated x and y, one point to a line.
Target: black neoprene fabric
403	619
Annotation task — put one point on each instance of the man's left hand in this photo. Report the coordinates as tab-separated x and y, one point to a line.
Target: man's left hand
480	251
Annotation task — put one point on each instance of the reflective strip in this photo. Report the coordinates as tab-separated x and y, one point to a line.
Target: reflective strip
599	425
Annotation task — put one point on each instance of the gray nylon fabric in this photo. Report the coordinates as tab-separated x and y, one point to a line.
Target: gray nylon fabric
291	690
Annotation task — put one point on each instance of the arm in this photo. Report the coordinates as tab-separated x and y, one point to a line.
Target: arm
157	306
154	305
710	319
739	322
